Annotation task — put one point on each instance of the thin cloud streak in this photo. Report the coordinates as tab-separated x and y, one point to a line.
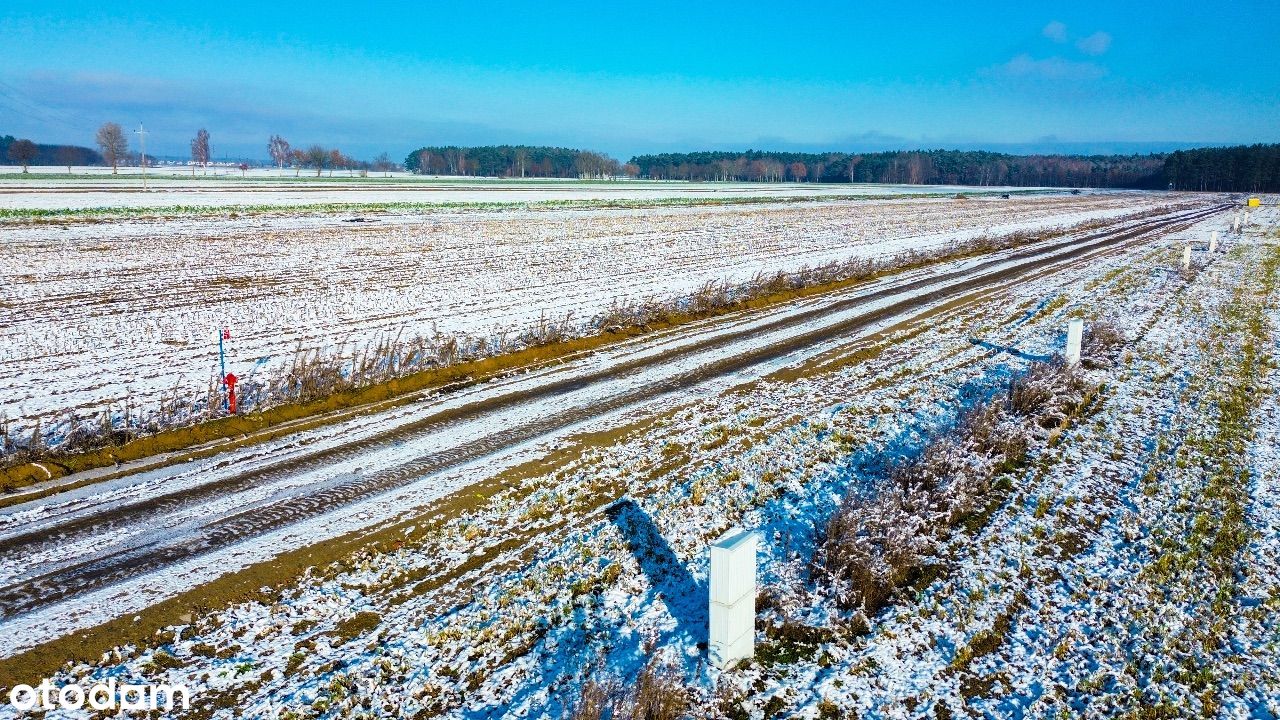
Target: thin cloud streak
1096	44
1050	68
1055	31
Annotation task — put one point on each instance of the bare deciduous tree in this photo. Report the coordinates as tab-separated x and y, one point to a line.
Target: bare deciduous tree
113	143
457	160
67	155
200	150
383	164
299	159
23	152
854	162
589	164
317	157
428	162
280	151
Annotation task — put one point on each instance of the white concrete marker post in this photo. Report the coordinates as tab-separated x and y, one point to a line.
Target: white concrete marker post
1213	242
1075	335
1186	257
733	598
1235	224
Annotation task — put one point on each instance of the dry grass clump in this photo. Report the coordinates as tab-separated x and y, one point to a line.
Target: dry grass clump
314	374
718	295
548	332
876	543
1101	343
1046	393
658	693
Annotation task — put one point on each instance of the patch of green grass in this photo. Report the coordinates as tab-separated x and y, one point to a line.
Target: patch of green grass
986	642
351	628
791	642
1205	557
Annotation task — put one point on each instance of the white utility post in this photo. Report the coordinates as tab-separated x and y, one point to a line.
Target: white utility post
1235	224
1213	242
733	598
142	138
1186	257
1075	336
1246	217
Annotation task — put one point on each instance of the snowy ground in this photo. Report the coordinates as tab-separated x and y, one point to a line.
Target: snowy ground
103	315
202	503
96	188
1131	568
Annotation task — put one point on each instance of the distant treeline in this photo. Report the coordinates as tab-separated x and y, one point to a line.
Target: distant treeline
53	154
916	167
512	161
1251	168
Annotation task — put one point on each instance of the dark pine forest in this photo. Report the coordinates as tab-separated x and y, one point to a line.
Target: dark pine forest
1253	168
919	167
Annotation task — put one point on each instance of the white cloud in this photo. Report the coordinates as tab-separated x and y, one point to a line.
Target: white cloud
1055	31
1096	44
1050	68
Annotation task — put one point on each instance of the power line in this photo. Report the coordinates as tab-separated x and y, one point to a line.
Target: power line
12	104
26	106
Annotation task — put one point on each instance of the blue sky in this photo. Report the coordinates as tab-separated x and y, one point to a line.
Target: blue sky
645	77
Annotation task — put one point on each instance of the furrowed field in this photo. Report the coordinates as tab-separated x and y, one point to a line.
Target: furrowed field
121	316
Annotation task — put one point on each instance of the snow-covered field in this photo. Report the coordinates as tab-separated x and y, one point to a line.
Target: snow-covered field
96	188
1128	569
97	316
205	503
51	175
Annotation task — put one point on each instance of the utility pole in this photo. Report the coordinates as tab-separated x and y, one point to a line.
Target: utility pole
142	138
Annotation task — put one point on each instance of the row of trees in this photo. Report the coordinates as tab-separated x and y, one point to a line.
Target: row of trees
113	150
1243	168
918	167
514	161
319	158
24	152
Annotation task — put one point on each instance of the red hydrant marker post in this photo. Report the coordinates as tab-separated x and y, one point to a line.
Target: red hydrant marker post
231	392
